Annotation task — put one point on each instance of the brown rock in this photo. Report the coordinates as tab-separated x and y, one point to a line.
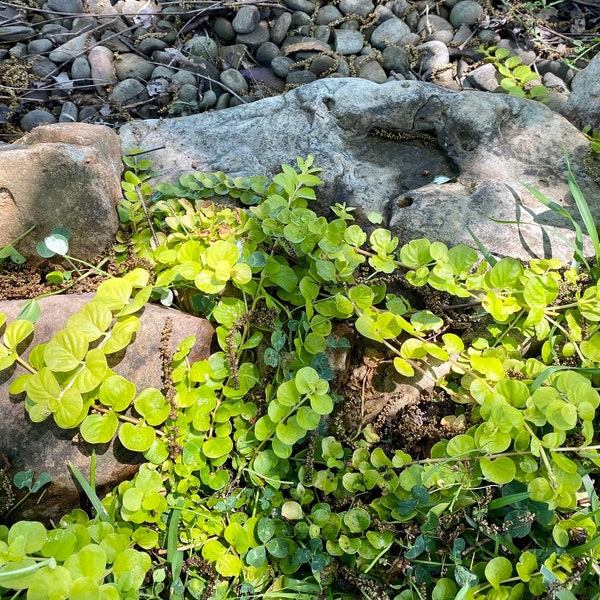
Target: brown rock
45	447
63	175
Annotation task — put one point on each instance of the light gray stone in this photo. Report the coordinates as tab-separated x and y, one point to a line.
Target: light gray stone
431	55
102	68
246	19
485	78
126	91
234	80
467	12
389	33
45	447
483	142
72	49
66	6
363	8
133	65
584	102
64	175
348	42
14	33
327	14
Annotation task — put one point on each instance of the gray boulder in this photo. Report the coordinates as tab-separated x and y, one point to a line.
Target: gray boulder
487	145
583	105
45	447
63	175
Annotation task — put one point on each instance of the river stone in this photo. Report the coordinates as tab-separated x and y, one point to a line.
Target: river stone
389	33
14	33
280	28
348	42
102	68
132	65
63	175
71	49
257	37
81	70
39	46
584	102
45	447
126	91
467	12
483	142
234	80
36	117
66	6
327	14
246	19
362	8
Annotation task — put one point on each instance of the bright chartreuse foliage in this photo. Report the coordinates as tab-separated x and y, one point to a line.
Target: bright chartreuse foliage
248	489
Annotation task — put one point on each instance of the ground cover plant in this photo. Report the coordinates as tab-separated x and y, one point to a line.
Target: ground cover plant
263	477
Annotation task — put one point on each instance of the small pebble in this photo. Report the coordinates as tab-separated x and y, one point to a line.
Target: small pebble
322	64
188	93
348	42
301	19
87	113
36	117
370	69
72	49
66	6
68	113
527	56
39	46
300	78
127	90
234	81
431	23
246	19
266	53
183	77
56	33
362	8
322	33
101	67
14	33
42	67
395	59
209	99
280	28
223	101
389	33
223	28
132	65
466	12
162	72
432	55
550	80
305	6
281	66
253	40
485	78
203	46
327	14
81	70
149	45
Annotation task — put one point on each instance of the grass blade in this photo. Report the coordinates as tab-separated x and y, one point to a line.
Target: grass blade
91	494
486	253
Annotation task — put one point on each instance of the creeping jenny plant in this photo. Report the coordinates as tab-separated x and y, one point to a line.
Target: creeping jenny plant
254	486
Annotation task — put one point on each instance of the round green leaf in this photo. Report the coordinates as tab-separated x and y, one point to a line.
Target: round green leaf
137	438
498	570
322	404
265	529
278	547
306	380
307	418
116	392
50	584
90	561
499	470
130	568
229	565
153	406
217	447
32	533
16	332
66	350
357	520
561	415
237	536
99	428
84	588
256	557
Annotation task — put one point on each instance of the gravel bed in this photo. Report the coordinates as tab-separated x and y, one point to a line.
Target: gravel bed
107	61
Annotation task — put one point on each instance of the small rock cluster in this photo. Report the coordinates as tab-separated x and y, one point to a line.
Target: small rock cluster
109	62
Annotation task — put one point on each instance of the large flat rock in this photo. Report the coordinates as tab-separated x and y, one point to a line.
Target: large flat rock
485	142
44	446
